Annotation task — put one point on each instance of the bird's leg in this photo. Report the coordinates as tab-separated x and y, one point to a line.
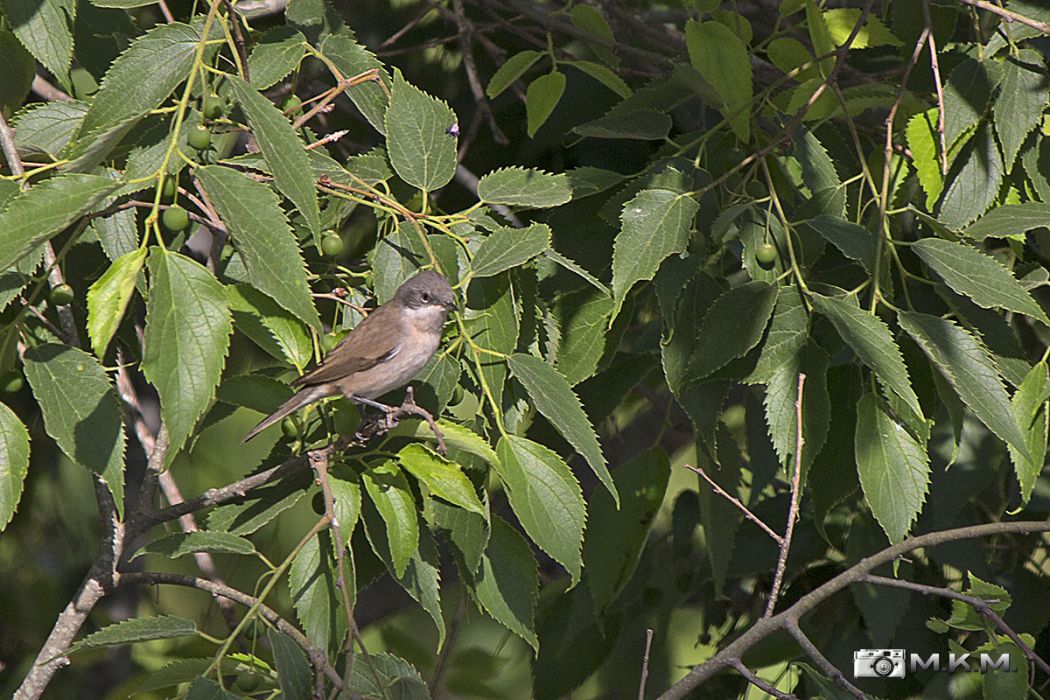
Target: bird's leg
409	407
389	412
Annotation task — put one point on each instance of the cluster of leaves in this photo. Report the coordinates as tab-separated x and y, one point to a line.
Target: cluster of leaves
730	233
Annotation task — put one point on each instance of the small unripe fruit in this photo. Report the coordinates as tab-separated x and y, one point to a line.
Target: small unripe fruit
332	245
61	295
290	427
766	255
292	104
211	106
248	681
199	138
457	395
171	185
175	218
11	382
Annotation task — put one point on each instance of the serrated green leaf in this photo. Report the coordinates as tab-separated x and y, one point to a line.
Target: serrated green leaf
723	60
45	209
964	617
654	225
524	187
616	535
602	74
788	331
312	585
923	142
81	411
966	95
587	180
142	77
642	124
978	277
277	53
351	58
853	240
541	98
108	298
388	488
138	629
421	149
283	151
820	35
871	340
188	331
973	181
507	583
380	673
172	674
512	69
590	19
966	365
892	466
18	68
1009	220
443	478
554	398
582	320
14	463
456	437
260	233
492	320
260	507
45	28
1029	409
841	21
269	326
509	247
347	497
293	669
781	400
732	326
46	129
546	498
1006	686
1021	101
398	255
181	543
207	689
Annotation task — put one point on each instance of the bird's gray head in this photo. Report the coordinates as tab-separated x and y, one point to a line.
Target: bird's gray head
426	289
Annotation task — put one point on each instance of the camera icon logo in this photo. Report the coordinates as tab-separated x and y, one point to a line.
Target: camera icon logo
878	663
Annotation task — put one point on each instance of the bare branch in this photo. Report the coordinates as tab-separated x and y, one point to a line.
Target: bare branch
1009	15
796	486
736	502
759	683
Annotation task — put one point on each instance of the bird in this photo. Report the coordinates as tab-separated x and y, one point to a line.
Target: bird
383	352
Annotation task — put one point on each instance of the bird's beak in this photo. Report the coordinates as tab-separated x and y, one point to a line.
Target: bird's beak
449	305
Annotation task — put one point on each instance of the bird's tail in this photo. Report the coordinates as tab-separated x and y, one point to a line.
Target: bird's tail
300	399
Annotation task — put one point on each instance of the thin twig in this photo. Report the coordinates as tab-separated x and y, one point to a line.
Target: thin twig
48	91
1009	15
645	663
796	487
168	17
938	86
759	683
822	661
466	34
736	502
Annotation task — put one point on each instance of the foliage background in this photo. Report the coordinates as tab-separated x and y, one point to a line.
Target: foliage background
667	210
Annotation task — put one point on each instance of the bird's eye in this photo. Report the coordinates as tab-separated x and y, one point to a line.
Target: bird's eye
425	296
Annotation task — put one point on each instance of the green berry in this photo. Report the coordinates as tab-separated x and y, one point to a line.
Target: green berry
290	427
318	503
211	106
175	218
61	295
199	138
171	185
766	255
11	382
332	245
457	395
247	681
292	104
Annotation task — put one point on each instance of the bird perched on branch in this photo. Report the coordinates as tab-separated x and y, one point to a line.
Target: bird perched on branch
383	352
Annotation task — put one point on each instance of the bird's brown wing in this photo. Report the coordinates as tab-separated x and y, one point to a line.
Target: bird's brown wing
370	342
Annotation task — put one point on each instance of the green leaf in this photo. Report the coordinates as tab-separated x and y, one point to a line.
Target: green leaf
1021	101
269	326
966	365
421	149
260	233
871	339
973	181
616	535
977	276
347	497
924	144
18	68
964	617
181	543
1029	409
175	673
277	53
468	531
893	468
45	209
259	507
312	585
14	463
654	224
45	129
590	20
582	319
723	60
1006	686
781	400
602	74
820	35
1010	220
137	629
642	124
874	33
381	673
966	95
293	670
282	149
45	28
207	689
142	77
546	498
388	488
351	58
187	335
541	98
442	478
108	298
554	398
787	334
492	320
512	69
853	240
81	411
732	326
398	255
507	582
524	187
509	247
456	437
